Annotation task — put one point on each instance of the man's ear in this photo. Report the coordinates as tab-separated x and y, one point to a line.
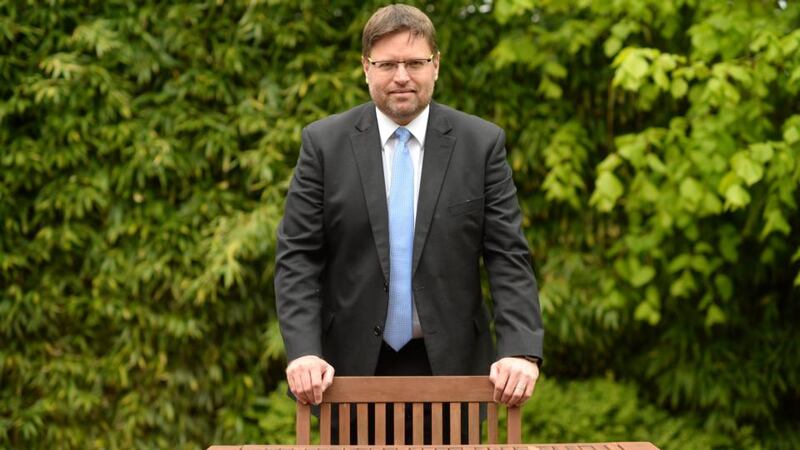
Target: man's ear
365	66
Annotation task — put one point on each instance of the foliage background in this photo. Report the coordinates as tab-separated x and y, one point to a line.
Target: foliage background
147	146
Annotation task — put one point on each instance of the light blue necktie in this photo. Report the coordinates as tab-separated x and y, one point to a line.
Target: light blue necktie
398	331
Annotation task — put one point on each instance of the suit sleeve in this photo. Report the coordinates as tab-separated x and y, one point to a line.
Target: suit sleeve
517	315
299	259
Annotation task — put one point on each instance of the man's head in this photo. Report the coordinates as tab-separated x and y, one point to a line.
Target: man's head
401	61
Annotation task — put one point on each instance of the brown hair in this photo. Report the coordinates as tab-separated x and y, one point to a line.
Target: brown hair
396	18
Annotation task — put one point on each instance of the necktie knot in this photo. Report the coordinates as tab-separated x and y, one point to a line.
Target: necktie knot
403	135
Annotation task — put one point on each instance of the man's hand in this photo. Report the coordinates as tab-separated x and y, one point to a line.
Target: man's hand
514	379
308	377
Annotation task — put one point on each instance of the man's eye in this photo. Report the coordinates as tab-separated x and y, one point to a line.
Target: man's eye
415	64
387	65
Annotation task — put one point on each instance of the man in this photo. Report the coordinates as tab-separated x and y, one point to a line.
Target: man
391	207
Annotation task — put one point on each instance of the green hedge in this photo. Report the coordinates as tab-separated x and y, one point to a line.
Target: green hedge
147	146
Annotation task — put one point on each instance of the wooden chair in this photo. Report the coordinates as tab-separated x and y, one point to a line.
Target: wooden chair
441	392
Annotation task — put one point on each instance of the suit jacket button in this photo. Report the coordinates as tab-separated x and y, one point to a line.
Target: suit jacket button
385	287
377	330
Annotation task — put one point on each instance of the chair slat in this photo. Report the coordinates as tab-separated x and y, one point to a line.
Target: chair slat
362	422
380	423
416	424
474	424
399	423
513	426
491	419
344	424
325	424
303	424
436	424
455	423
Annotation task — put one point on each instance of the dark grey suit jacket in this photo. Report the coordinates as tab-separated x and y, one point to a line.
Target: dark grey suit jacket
332	263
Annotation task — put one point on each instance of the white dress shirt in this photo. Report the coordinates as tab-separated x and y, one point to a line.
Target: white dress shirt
418	127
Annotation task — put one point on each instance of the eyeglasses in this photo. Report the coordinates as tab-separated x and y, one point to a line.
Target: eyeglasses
411	65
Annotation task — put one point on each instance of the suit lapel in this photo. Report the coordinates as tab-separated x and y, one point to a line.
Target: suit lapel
366	146
436	158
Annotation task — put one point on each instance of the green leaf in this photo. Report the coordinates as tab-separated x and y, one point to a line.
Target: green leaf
739	73
701	264
610	163
607	190
636	66
736	197
631	68
789	44
692	191
632	147
750	171
611	46
505	10
679	263
642	275
729	242
684	285
775	221
650	309
794	80
554	69
661	79
549	89
761	152
791	135
714	316
724	286
679	87
728	180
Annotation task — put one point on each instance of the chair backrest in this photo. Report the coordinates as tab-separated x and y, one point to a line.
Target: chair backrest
441	392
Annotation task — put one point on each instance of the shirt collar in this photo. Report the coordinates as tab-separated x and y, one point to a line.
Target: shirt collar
418	127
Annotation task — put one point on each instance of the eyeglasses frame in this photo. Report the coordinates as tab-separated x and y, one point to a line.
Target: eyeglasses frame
398	62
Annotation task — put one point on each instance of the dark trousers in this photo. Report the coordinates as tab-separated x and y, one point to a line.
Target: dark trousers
411	360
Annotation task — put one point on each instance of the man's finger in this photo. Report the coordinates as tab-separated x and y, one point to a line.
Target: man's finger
327	378
493	373
290	380
500	384
518	394
296	377
528	392
531	383
316	384
305	380
296	388
511	388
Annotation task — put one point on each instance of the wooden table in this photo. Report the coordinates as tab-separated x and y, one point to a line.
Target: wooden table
578	446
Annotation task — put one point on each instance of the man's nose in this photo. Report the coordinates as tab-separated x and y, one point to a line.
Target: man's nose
401	74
